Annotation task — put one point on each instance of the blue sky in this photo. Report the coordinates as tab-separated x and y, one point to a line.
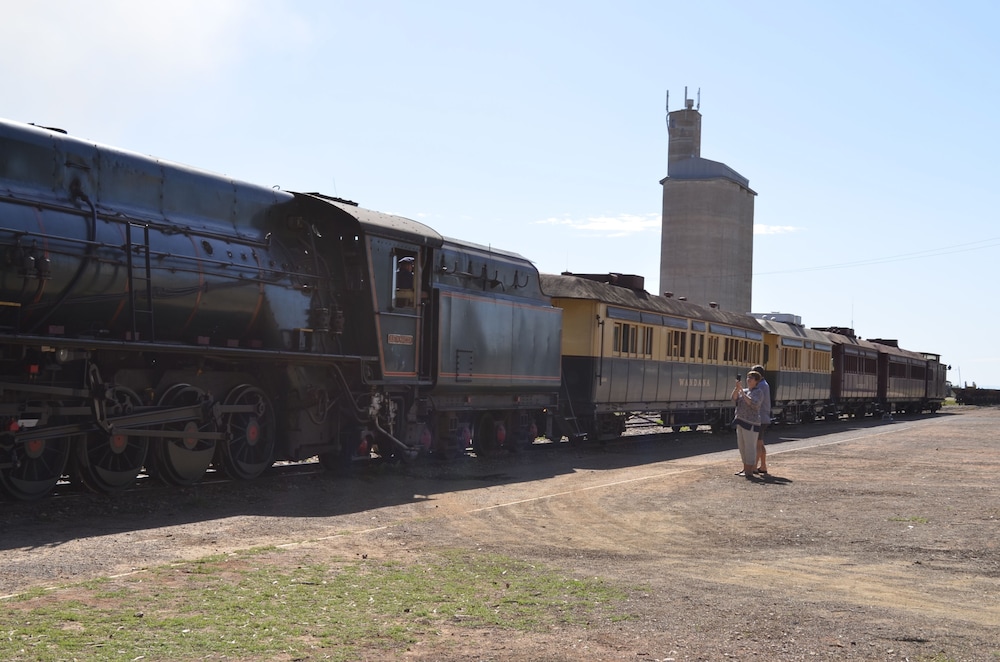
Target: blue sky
868	129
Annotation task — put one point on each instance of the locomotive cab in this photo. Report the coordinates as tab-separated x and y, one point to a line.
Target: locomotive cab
387	284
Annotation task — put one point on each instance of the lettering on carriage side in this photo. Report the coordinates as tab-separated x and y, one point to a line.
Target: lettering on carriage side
400	339
684	381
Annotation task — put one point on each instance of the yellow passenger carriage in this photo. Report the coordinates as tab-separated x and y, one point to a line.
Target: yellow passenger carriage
626	352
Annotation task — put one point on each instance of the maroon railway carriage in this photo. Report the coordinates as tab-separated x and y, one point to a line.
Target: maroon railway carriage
908	382
854	380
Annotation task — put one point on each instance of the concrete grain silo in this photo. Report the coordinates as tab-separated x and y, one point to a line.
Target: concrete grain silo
706	249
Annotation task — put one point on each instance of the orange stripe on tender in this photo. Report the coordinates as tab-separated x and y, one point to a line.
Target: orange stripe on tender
478	375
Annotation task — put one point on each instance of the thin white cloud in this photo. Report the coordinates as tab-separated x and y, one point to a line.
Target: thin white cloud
610	226
773	229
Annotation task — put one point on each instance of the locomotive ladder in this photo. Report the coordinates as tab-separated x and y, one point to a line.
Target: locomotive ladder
139	277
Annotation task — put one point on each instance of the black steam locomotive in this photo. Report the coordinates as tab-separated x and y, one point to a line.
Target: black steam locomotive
158	318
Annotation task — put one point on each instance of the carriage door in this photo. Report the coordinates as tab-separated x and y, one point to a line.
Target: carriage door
400	310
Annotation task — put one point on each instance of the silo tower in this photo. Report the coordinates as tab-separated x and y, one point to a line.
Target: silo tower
706	249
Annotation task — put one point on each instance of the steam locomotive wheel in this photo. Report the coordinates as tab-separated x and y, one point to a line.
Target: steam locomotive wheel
490	434
38	464
183	461
249	448
108	462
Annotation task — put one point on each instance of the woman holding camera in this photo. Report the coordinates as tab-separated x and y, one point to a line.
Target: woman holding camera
748	401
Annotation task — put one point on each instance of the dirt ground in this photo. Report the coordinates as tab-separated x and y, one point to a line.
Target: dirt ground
875	540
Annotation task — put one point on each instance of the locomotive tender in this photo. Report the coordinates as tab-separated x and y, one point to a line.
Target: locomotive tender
158	318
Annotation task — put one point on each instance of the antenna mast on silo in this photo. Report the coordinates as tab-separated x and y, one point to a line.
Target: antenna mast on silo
684	129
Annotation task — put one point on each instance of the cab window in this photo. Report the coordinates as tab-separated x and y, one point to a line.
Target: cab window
404	276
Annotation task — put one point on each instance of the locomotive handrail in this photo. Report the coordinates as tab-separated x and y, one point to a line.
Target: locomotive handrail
201	260
166	227
217	351
600	363
517	284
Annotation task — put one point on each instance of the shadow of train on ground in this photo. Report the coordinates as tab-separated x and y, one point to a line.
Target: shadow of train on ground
305	490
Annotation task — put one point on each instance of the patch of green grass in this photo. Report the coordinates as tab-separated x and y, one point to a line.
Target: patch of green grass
914	519
253	606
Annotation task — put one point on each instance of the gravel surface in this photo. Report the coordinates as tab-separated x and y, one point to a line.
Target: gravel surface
874	540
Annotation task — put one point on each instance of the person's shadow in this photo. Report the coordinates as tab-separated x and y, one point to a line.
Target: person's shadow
770	479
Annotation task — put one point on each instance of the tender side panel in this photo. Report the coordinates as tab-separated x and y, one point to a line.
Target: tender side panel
496	343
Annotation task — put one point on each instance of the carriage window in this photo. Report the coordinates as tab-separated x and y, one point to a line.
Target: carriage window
627	339
791	357
676	341
697	346
713	348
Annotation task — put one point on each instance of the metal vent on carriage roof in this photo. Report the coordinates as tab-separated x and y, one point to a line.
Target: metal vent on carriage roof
631	281
628	281
839	330
784	318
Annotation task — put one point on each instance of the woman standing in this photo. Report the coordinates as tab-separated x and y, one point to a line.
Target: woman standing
765	420
748	401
